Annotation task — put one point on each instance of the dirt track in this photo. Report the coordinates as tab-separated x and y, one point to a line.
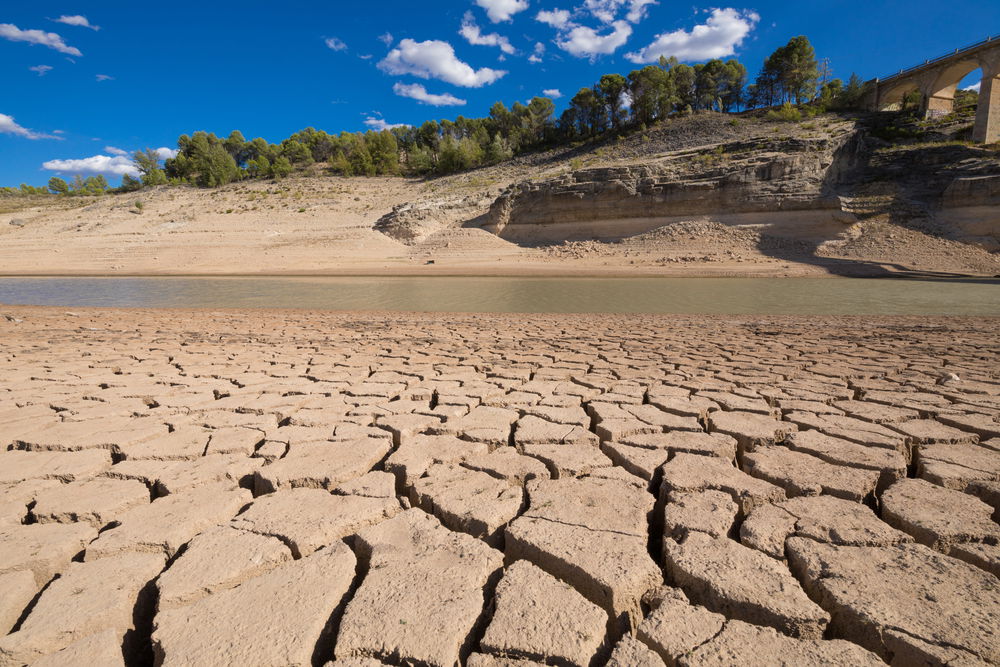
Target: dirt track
268	487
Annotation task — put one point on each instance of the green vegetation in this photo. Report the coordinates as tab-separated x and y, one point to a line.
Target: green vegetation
615	104
786	113
792	84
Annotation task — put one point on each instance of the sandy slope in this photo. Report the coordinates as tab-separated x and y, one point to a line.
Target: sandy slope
319	224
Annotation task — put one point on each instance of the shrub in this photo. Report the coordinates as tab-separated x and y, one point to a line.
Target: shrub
787	114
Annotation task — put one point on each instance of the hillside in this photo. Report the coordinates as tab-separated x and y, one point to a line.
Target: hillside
709	194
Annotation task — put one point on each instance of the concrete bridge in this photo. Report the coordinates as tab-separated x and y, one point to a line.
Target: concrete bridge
937	79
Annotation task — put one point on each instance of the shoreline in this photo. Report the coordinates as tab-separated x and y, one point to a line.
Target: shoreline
507	272
861	320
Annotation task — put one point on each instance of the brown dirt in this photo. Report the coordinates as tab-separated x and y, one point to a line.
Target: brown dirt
322	225
492	490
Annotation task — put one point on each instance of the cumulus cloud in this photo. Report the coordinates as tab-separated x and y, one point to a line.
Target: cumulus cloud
417	92
435	59
117	165
718	37
77	20
104	77
49	39
386	38
163	152
536	57
974	87
335	44
502	10
557	18
637	10
606	11
379	124
41	70
554	93
472	34
584	42
8	126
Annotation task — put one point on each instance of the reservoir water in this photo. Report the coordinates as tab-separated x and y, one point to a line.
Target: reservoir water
772	296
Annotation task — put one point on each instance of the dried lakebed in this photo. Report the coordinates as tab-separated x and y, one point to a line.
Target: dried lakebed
294	488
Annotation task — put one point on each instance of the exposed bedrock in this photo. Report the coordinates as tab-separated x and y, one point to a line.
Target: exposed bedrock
740	184
972	205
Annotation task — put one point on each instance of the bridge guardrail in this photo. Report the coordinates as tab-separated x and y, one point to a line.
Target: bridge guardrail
940	58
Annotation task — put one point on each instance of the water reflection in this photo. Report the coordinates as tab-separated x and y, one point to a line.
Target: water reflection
530	295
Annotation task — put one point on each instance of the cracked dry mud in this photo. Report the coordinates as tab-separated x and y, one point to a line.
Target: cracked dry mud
299	488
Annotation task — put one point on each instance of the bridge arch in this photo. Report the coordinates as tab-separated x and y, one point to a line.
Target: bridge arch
938	79
892	99
939	94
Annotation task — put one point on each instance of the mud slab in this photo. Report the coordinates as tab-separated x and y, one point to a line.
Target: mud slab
295	487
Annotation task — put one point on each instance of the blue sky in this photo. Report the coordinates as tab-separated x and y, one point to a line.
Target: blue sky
81	81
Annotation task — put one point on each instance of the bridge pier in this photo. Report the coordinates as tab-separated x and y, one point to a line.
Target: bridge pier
987	127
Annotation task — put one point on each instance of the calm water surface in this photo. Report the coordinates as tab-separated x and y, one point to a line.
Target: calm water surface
773	296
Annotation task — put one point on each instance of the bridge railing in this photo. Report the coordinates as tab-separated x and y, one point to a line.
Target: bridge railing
946	56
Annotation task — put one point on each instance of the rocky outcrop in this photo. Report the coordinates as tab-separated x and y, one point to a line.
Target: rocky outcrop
412	222
738	183
972	205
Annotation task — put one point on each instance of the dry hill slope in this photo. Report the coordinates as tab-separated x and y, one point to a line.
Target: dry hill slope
705	195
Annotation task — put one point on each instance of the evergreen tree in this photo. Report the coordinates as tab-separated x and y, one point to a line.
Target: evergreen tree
281	167
383	150
611	88
130	183
360	158
58	186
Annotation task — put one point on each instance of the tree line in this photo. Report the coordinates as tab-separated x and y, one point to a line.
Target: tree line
615	103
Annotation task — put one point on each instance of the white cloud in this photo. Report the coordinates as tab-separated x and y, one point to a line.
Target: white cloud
386	38
607	10
435	59
554	93
502	10
335	44
584	42
96	164
417	92
104	77
379	124
604	10
49	39
557	18
41	70
8	126
974	87
536	57
163	152
637	9
718	37
77	20
470	31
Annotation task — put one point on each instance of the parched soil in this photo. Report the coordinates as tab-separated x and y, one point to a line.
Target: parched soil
295	487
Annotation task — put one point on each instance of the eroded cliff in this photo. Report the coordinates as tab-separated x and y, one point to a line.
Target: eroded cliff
787	185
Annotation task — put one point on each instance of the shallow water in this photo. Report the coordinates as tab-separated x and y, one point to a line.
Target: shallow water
772	296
